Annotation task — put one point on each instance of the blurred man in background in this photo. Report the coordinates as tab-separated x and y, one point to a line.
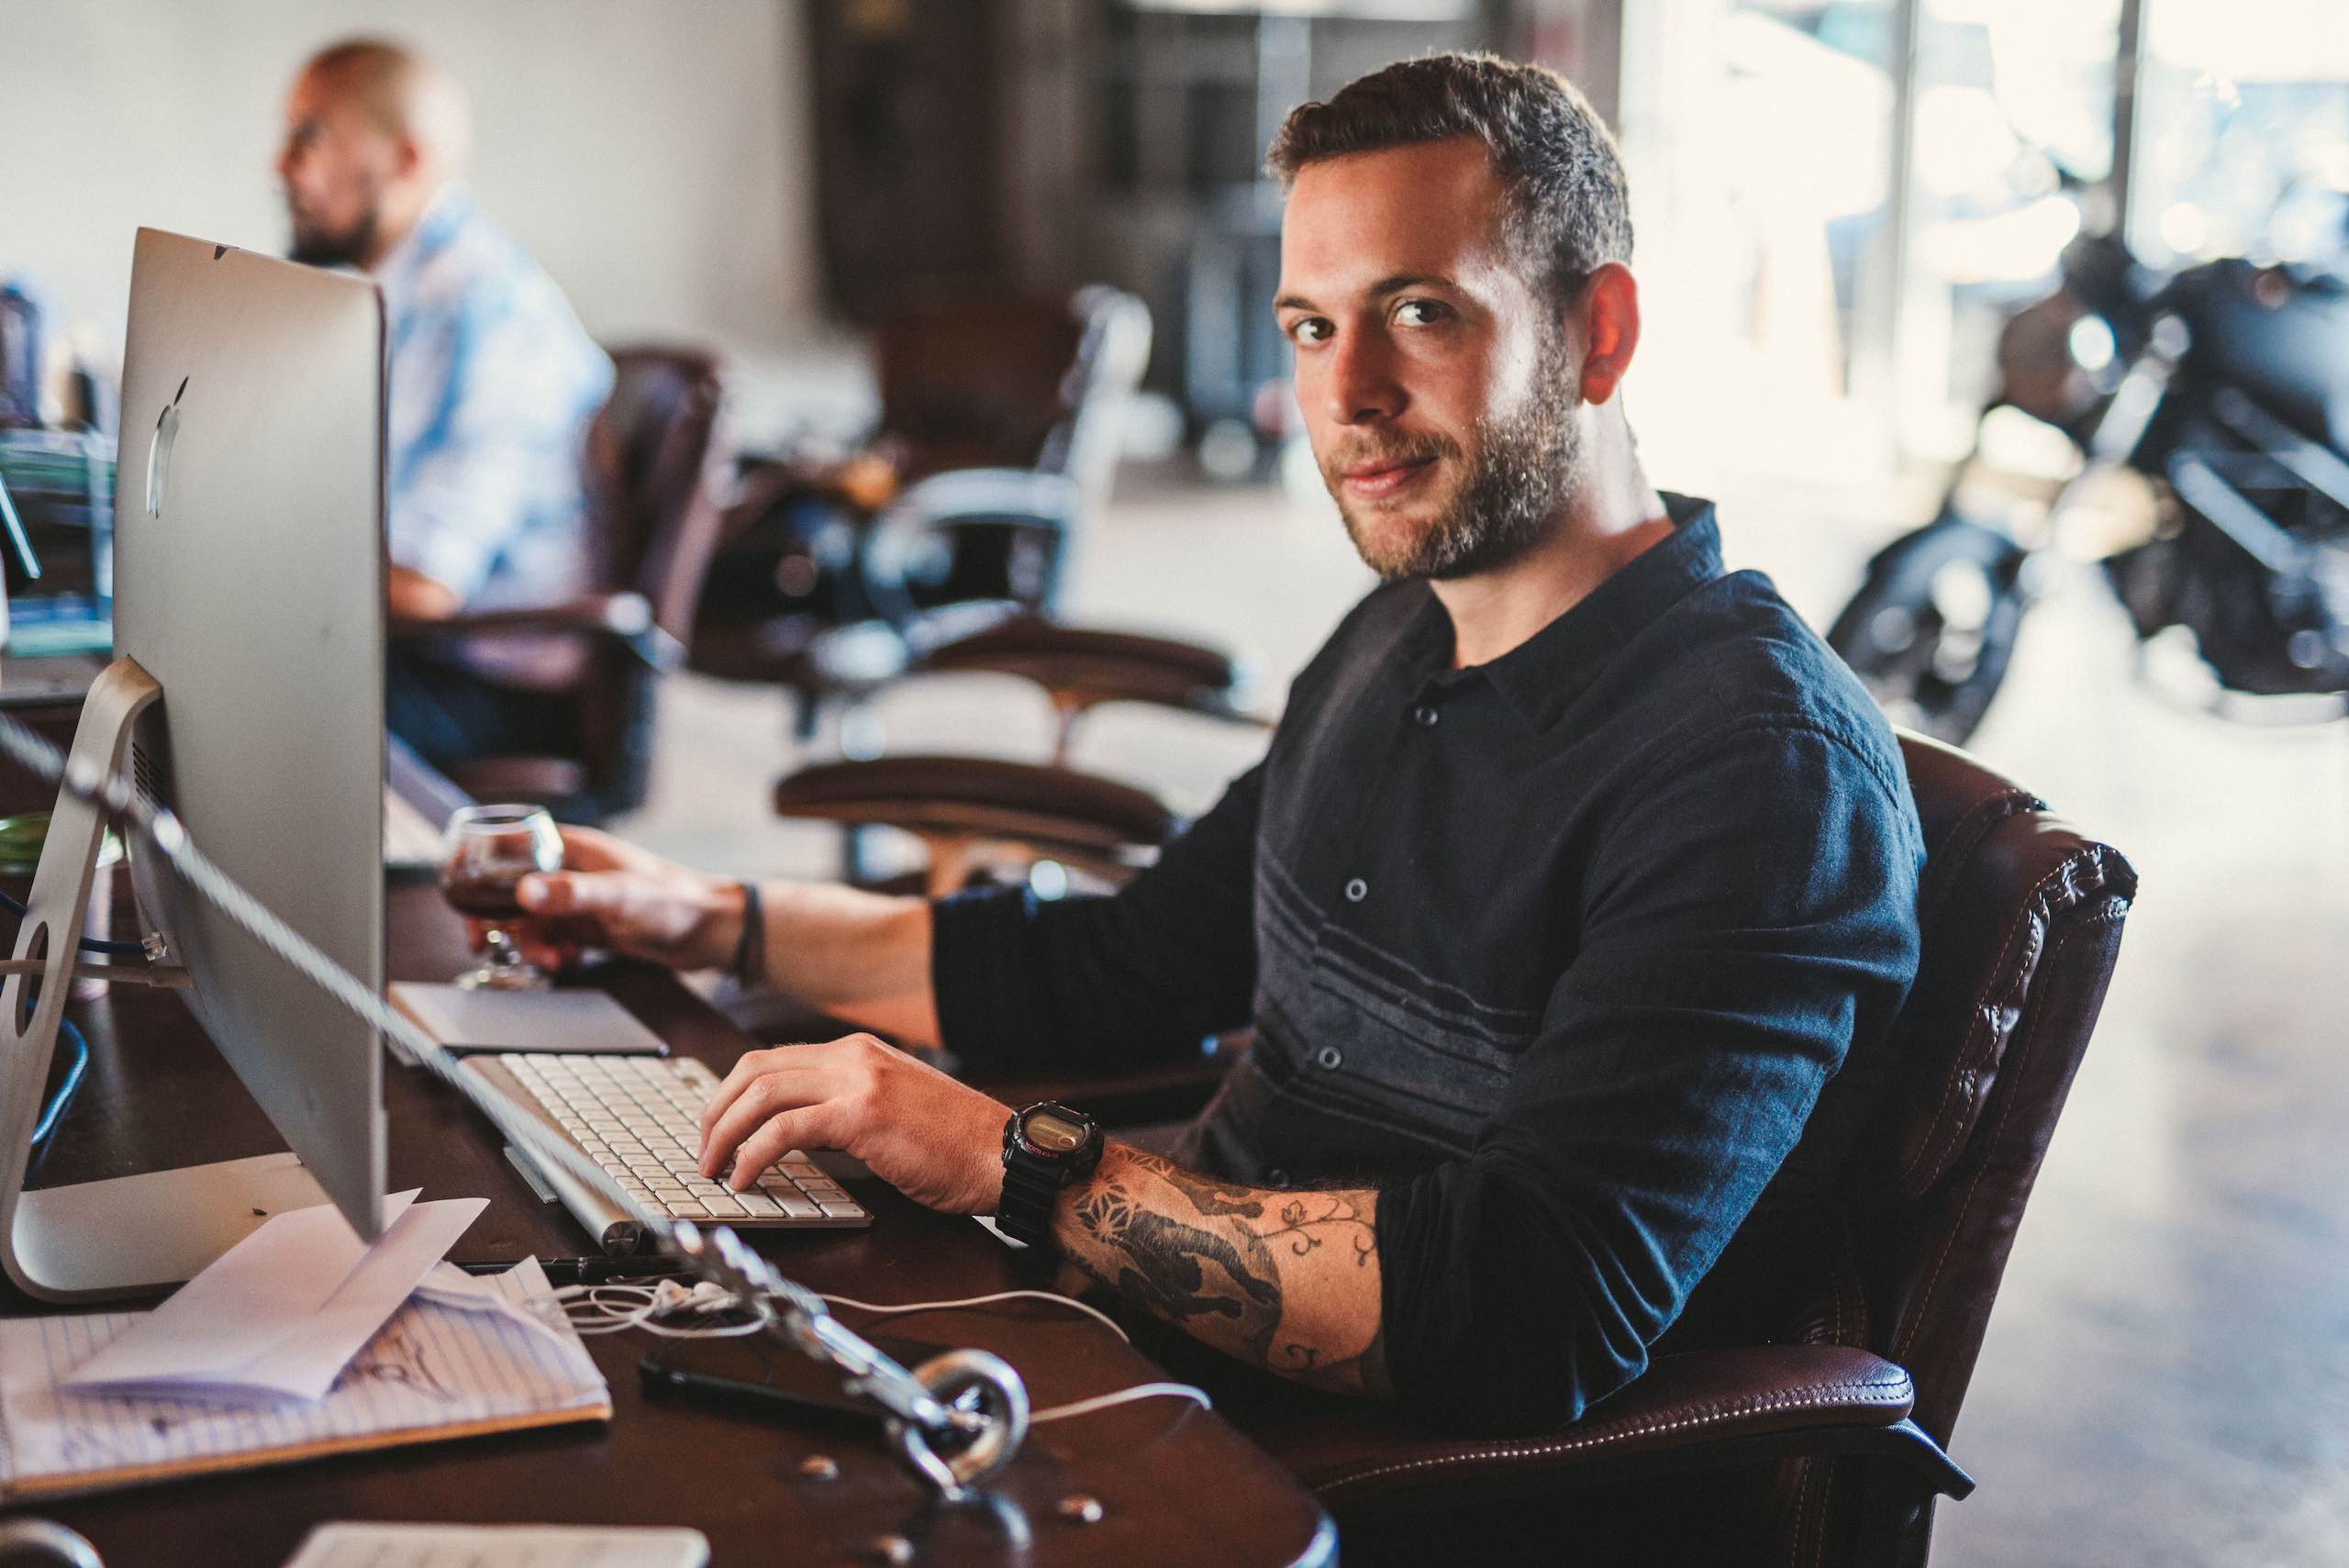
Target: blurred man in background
493	382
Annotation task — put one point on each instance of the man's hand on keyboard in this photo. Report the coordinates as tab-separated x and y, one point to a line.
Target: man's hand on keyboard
612	894
936	1139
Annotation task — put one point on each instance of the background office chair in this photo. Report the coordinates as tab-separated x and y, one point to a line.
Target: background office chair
1004	412
1811	1428
656	461
983	816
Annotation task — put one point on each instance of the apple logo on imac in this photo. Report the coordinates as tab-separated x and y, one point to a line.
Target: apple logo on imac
159	455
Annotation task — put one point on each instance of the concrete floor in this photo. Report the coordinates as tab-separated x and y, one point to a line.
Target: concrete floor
2166	1377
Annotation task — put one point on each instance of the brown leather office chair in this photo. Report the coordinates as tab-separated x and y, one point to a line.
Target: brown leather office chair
1816	1435
974	815
656	461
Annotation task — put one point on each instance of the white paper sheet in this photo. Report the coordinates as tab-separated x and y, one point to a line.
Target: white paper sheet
498	1546
448	1285
303	1364
431	1369
261	1291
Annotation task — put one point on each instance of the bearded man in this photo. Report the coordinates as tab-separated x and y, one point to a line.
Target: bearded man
1568	904
491	384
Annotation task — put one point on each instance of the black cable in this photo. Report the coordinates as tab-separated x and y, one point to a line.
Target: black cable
45	1130
88	944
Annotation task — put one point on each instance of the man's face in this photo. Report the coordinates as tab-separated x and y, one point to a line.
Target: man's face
334	165
1437	383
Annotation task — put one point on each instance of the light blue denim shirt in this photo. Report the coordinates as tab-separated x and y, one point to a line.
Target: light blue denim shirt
492	381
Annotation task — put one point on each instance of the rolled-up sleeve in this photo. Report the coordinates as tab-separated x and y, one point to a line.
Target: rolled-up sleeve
1024	984
1751	914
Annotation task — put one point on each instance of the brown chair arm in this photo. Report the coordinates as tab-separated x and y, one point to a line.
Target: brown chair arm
624	617
1080	667
980	797
1696	1411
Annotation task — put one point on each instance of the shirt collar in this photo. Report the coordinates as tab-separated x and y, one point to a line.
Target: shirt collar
447	213
1542	675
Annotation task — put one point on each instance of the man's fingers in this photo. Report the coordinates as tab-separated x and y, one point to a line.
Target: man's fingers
586	849
773	1095
778	1087
598	892
778	1136
748	1069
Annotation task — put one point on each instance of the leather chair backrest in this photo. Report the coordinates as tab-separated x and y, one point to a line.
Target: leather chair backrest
656	465
976	380
1015	380
656	461
2021	918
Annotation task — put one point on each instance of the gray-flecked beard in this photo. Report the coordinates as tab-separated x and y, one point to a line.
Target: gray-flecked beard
319	248
1522	470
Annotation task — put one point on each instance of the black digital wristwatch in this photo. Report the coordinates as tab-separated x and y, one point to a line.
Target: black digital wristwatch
1045	1146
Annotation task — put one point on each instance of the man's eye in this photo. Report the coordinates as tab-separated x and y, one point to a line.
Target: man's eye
1419	313
1309	330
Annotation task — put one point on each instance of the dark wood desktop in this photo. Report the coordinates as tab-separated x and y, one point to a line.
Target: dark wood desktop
1176	1485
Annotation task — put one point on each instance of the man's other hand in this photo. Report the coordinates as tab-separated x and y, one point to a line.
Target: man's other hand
934	1139
612	894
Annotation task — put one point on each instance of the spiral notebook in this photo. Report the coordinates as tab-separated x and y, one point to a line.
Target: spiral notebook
437	1370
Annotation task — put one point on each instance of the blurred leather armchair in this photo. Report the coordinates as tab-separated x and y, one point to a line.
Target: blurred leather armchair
1806	1419
975	814
1002	414
656	462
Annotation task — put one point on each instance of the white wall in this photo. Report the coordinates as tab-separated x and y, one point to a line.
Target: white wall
656	157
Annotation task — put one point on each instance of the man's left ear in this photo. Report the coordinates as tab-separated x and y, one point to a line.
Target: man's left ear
1609	304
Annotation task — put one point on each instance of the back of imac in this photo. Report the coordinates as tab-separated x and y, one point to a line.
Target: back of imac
248	582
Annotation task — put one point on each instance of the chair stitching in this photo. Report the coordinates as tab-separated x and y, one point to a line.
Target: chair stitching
1819	1542
1945	1128
1992	811
1949	1127
2006	1110
1801	1502
1877	1389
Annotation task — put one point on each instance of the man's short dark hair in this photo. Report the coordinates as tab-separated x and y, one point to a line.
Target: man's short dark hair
1569	208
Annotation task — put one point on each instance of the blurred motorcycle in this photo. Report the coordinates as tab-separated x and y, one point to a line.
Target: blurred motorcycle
2225	388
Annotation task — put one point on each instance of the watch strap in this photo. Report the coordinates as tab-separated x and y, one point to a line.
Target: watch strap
1032	1178
1031	1188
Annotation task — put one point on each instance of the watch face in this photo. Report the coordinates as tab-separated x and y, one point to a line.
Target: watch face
1053	1134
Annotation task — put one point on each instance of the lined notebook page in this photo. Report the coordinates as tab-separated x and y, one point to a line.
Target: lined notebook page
433	1370
498	1546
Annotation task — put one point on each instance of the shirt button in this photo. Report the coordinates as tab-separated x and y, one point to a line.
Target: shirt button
1276	1176
1357	890
1424	716
1331	1058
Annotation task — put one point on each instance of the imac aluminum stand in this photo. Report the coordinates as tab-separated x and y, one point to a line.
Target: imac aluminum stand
126	1235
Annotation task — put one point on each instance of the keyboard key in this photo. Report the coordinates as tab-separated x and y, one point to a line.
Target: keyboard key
843	1211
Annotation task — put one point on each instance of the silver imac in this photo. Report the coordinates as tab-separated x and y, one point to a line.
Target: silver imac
247	694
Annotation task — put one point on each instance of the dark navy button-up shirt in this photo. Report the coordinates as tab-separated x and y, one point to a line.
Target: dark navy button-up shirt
1575	955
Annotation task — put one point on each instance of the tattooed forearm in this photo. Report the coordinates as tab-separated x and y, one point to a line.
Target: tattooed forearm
1288	1281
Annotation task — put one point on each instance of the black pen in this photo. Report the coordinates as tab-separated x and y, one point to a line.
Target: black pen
593	1271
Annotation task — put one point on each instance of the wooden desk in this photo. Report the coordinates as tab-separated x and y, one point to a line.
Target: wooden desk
1178	1484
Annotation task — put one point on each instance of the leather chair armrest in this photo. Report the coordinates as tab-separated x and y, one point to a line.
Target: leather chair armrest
1052	809
624	617
1081	666
1695	1410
